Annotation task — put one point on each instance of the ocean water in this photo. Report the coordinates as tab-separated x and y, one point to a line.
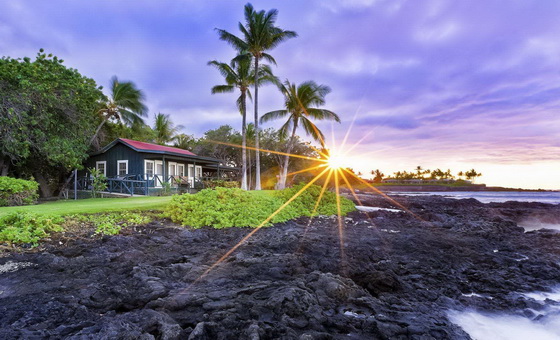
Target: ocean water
552	197
543	325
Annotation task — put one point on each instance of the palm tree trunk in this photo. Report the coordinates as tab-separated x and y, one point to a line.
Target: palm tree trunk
284	168
243	143
97	131
257	153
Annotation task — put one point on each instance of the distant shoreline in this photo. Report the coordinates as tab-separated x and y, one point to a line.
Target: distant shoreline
432	188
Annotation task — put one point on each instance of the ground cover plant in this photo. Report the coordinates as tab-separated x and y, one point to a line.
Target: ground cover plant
231	207
26	227
110	223
15	191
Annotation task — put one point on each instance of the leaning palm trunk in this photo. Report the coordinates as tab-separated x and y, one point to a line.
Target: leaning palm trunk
244	144
284	168
257	153
97	131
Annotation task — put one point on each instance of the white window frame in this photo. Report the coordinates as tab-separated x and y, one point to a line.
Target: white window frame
104	166
146	162
180	172
125	162
198	172
169	165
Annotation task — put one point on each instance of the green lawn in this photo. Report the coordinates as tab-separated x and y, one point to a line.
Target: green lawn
92	205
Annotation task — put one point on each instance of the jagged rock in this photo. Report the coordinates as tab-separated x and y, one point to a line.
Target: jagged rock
397	276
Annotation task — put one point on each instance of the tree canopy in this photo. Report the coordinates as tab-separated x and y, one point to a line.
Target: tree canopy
42	103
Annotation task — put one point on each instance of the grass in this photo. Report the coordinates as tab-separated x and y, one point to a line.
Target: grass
92	206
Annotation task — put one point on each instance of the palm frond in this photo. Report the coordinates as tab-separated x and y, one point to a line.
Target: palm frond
272	115
312	130
222	89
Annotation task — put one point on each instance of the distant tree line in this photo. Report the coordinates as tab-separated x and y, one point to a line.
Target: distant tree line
426	174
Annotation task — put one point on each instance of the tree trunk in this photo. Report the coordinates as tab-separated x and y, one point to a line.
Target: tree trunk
284	168
44	188
243	143
257	152
97	131
4	166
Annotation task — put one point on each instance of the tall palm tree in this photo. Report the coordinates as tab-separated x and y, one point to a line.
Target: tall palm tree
241	75
300	105
165	130
259	35
126	104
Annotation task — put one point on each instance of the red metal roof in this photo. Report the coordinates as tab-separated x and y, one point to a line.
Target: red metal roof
142	146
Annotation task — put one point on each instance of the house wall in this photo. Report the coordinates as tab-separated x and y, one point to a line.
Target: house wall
119	152
135	161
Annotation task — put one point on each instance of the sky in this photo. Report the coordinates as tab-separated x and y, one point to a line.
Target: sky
441	84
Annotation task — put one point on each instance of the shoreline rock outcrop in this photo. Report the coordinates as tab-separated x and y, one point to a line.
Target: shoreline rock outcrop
396	276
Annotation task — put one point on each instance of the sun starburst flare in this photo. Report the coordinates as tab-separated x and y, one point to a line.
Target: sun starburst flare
334	165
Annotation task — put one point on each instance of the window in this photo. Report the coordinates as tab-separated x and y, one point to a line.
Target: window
122	167
172	169
191	171
181	169
198	171
159	168
102	167
149	168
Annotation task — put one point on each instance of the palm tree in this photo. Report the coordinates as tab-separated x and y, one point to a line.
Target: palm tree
377	175
259	35
183	141
126	104
300	105
240	74
165	130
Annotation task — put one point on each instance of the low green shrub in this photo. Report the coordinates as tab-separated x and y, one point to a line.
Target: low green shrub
15	191
25	227
225	207
232	207
220	183
304	204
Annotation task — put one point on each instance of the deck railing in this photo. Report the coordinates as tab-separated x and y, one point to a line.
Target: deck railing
141	184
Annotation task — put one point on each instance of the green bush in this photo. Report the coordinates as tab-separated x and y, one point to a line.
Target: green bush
232	207
225	207
220	183
15	191
304	204
24	227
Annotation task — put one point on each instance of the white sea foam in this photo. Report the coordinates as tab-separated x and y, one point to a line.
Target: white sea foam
530	225
482	326
486	326
372	209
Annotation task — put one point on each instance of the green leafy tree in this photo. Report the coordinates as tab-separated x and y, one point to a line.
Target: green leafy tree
125	104
45	118
240	74
301	104
259	34
164	129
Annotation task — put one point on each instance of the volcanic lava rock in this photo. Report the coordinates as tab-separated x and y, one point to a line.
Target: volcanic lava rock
396	277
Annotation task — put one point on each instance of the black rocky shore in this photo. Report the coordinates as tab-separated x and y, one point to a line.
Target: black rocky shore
399	275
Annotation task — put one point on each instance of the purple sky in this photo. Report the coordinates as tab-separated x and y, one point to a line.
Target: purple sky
450	84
